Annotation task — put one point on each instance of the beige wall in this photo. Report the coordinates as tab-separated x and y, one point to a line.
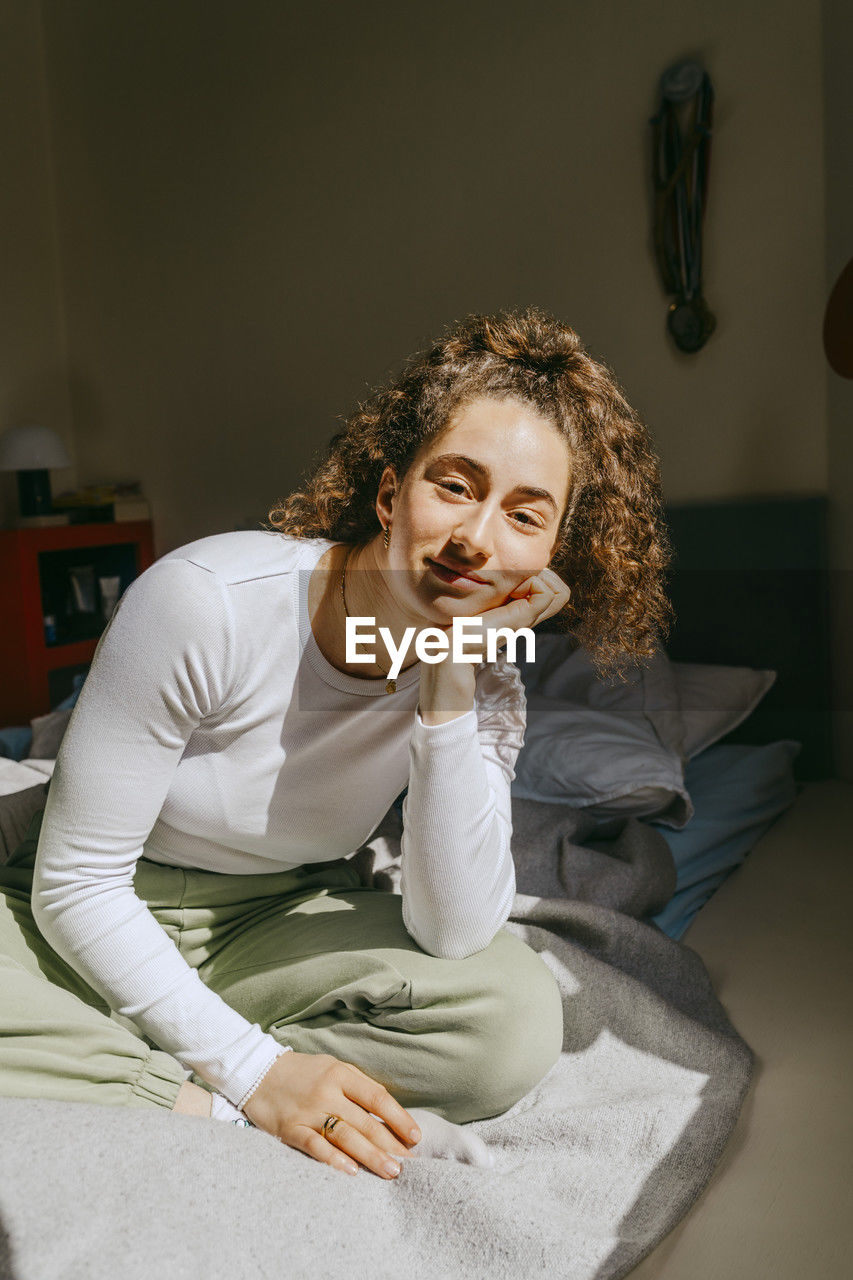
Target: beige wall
33	379
263	208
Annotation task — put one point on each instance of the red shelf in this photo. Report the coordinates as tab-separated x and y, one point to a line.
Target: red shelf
27	660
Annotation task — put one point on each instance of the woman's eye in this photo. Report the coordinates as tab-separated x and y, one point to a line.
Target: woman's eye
457	487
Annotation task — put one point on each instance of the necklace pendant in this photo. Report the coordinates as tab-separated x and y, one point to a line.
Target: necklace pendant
390	686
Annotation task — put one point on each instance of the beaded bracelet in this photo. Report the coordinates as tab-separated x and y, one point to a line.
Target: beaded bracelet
282	1049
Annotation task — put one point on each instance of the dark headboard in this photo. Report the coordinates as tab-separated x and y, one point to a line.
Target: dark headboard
750	587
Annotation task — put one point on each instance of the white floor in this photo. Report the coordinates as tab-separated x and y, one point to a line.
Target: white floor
776	939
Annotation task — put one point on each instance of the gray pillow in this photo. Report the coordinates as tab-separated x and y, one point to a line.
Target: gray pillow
620	748
48	731
613	748
714	700
648	696
608	763
17	810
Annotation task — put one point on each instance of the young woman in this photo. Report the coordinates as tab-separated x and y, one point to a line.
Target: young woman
185	905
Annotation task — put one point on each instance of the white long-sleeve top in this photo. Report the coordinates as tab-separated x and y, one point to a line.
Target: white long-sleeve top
211	732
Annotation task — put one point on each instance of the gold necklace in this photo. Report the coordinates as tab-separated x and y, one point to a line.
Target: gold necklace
390	685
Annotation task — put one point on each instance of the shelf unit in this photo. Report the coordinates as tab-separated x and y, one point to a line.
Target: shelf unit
38	662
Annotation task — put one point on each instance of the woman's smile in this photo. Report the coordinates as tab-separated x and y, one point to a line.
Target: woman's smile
453	577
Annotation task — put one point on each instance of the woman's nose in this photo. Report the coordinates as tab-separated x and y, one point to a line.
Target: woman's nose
475	534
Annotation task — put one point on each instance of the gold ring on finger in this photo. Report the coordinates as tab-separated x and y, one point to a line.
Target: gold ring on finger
329	1124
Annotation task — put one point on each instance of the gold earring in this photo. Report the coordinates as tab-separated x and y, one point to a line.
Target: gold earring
386	536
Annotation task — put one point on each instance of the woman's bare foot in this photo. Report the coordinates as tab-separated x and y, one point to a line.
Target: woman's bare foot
192	1100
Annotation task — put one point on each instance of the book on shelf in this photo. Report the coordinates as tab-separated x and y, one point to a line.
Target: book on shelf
103	504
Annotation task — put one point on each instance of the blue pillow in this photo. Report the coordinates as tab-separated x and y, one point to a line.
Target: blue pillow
738	792
15	742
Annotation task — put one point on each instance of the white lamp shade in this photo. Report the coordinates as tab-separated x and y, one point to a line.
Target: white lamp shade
32	448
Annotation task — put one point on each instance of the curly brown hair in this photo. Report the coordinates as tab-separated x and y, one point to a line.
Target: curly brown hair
612	548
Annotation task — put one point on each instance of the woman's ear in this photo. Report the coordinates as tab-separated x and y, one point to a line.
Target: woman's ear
386	494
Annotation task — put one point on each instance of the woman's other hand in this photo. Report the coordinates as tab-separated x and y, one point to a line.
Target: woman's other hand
301	1089
536	598
533	600
447	687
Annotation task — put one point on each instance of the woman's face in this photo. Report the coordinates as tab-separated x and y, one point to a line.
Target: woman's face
485	497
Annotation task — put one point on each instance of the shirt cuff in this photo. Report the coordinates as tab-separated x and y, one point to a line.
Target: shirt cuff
451	730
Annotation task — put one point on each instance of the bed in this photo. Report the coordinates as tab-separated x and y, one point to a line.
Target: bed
663	865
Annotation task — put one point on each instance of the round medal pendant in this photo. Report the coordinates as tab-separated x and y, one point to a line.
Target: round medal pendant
390	686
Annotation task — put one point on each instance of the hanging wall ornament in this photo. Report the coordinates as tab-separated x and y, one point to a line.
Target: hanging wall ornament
838	324
681	146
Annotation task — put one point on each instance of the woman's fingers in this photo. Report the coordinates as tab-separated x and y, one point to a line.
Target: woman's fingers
536	598
314	1144
344	1145
548	594
349	1139
373	1096
561	594
376	1131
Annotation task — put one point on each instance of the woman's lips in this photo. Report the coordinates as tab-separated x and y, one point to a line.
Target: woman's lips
451	576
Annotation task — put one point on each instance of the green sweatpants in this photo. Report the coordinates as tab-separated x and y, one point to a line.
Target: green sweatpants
321	963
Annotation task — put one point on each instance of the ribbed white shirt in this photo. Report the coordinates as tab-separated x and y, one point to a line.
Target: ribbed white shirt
211	732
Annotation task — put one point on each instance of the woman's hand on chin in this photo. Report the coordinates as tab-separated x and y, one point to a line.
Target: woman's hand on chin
447	687
536	598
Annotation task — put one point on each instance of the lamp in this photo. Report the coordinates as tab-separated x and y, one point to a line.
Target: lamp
32	451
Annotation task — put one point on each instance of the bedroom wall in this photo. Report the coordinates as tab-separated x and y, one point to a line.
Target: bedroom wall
33	381
264	208
838	59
